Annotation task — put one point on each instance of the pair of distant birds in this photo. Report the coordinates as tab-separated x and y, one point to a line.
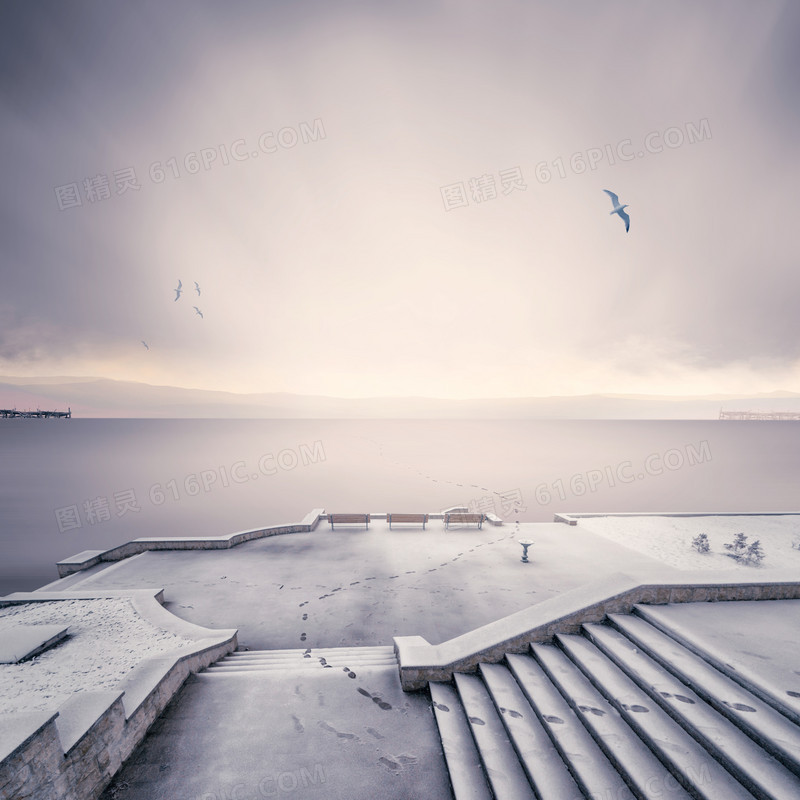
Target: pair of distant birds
179	291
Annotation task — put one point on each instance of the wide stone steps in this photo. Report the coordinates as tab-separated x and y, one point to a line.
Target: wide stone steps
761	721
757	682
248	661
621	711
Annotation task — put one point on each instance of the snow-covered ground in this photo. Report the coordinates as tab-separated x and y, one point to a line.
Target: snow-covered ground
669	539
105	640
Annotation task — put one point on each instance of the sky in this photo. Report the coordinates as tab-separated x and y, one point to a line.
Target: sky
402	198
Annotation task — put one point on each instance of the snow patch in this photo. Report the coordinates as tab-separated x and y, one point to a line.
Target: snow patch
669	539
105	641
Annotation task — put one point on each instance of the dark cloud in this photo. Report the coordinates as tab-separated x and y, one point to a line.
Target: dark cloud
774	88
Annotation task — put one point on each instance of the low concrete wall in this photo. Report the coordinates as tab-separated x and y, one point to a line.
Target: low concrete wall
421	662
90	558
75	751
572	519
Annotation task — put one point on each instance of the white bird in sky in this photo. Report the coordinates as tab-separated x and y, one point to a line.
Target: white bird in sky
179	289
147	347
197	288
619	209
198	311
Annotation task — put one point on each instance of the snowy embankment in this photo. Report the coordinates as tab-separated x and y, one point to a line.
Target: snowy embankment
669	539
106	639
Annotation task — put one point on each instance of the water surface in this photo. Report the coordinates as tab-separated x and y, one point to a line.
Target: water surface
72	485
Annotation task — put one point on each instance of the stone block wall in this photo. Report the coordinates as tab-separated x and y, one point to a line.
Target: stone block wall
53	761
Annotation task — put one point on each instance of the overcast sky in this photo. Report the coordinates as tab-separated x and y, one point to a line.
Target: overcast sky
394	198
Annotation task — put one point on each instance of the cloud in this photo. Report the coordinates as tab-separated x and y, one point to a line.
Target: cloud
334	259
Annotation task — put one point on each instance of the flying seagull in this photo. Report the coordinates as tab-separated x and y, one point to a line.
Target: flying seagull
619	209
198	311
147	347
197	288
179	289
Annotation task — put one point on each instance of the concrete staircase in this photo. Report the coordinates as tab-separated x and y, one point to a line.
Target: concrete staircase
622	711
244	662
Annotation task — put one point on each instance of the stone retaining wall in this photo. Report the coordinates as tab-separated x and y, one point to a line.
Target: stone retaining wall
421	662
90	558
574	518
73	753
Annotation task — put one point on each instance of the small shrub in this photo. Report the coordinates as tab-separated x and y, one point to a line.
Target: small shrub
700	543
754	554
796	543
744	553
737	547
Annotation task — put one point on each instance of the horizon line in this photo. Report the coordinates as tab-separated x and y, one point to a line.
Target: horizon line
611	394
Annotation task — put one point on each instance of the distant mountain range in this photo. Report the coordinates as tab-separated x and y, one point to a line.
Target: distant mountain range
102	397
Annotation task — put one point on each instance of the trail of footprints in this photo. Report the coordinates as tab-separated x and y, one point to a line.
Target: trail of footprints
304	636
392	763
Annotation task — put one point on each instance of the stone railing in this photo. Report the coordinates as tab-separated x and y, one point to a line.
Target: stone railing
574	518
421	662
75	750
90	558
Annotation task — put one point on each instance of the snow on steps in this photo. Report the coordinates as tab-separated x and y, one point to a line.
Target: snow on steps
622	711
248	661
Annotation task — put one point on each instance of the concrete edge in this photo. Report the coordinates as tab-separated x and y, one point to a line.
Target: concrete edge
87	559
571	518
90	594
78	715
148	678
57	633
420	662
150	607
18	728
74	582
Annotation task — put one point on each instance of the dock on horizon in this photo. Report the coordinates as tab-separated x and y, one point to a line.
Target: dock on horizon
12	413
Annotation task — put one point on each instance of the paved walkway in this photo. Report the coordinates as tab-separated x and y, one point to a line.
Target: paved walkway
304	735
352	587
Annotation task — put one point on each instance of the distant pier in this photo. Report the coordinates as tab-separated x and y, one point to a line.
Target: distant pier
12	413
777	415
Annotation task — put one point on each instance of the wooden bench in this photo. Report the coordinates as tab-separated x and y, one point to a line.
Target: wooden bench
462	518
348	519
415	518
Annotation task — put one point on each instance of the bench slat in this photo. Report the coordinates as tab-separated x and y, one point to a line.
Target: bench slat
463	518
349	519
415	518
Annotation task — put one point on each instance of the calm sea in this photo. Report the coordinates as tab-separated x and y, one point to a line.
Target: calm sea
68	486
